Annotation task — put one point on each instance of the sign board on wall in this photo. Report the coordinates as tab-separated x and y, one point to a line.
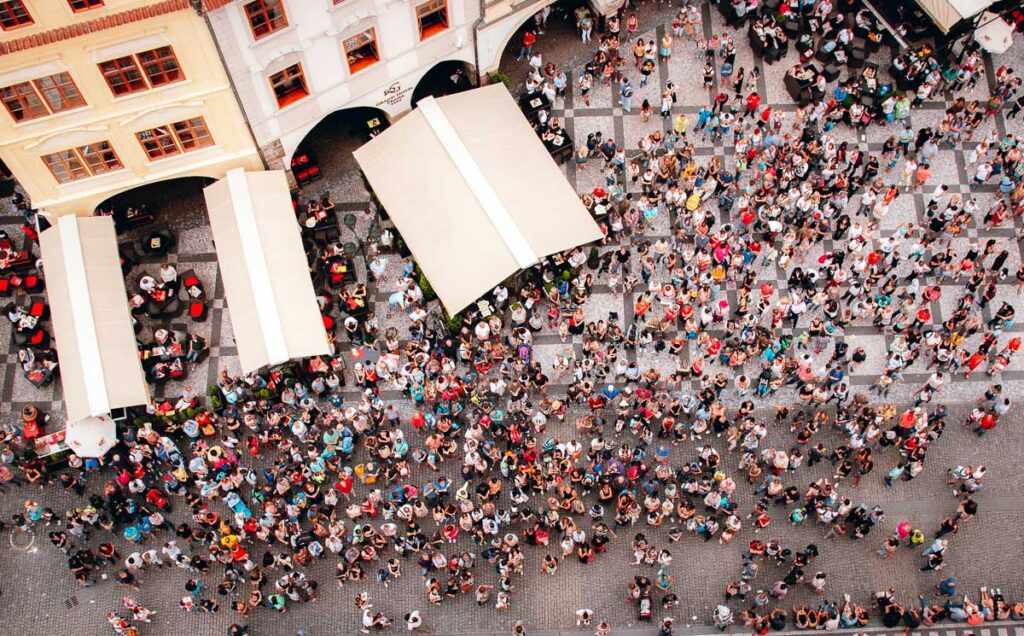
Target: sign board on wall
394	94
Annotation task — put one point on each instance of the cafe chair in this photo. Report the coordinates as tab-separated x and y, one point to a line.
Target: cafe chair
40	339
33	283
37	339
38	309
858	55
791	27
173	308
198	310
129	256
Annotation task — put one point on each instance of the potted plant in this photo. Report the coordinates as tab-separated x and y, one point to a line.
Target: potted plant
428	291
498	76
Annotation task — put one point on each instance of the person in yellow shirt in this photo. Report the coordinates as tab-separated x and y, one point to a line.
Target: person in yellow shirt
681	124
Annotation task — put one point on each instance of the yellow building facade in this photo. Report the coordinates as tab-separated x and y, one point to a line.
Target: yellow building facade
102	96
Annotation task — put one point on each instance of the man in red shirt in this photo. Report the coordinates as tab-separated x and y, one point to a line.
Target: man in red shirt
527	49
753	101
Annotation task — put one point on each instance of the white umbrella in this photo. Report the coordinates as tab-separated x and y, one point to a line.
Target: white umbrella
995	34
91	437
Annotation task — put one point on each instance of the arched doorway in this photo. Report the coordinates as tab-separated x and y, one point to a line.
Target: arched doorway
172	202
327	148
506	55
445	78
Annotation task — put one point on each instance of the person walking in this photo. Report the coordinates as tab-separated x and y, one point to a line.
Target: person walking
626	95
413	620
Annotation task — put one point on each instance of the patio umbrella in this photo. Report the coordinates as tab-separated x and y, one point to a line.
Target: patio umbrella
995	34
91	437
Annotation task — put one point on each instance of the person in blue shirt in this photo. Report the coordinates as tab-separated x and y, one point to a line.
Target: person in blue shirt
626	95
703	115
835	376
610	392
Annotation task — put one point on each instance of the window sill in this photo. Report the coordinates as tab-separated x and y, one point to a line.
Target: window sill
361	66
142	94
171	159
292	104
113	175
27	123
430	32
20	27
273	35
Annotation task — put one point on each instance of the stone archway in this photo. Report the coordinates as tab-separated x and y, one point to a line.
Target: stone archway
445	78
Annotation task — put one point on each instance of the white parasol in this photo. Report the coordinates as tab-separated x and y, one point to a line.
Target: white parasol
995	34
91	437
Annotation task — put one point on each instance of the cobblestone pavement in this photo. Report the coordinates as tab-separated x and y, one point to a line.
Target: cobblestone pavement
40	596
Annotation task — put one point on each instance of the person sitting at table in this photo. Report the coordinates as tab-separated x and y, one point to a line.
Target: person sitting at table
553	135
15	313
326	204
136	304
161	370
870	79
22	320
801	73
865	20
169	275
38	369
229	388
769	33
147	284
32	422
27	358
315	210
163	338
355	299
187	399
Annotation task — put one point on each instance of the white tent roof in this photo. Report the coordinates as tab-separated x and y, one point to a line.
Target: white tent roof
91	437
946	13
99	358
994	34
273	307
474	192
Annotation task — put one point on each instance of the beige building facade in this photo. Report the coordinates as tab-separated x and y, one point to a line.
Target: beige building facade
295	62
102	96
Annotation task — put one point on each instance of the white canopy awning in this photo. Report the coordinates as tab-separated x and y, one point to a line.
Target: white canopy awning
946	13
270	296
96	348
91	437
994	34
474	192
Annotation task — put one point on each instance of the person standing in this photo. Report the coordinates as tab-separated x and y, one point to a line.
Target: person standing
584	616
626	95
526	50
413	620
1018	105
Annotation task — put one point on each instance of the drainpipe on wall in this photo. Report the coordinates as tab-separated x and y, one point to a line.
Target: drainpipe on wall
476	41
198	6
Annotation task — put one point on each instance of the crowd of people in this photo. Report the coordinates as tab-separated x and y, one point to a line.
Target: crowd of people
492	452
